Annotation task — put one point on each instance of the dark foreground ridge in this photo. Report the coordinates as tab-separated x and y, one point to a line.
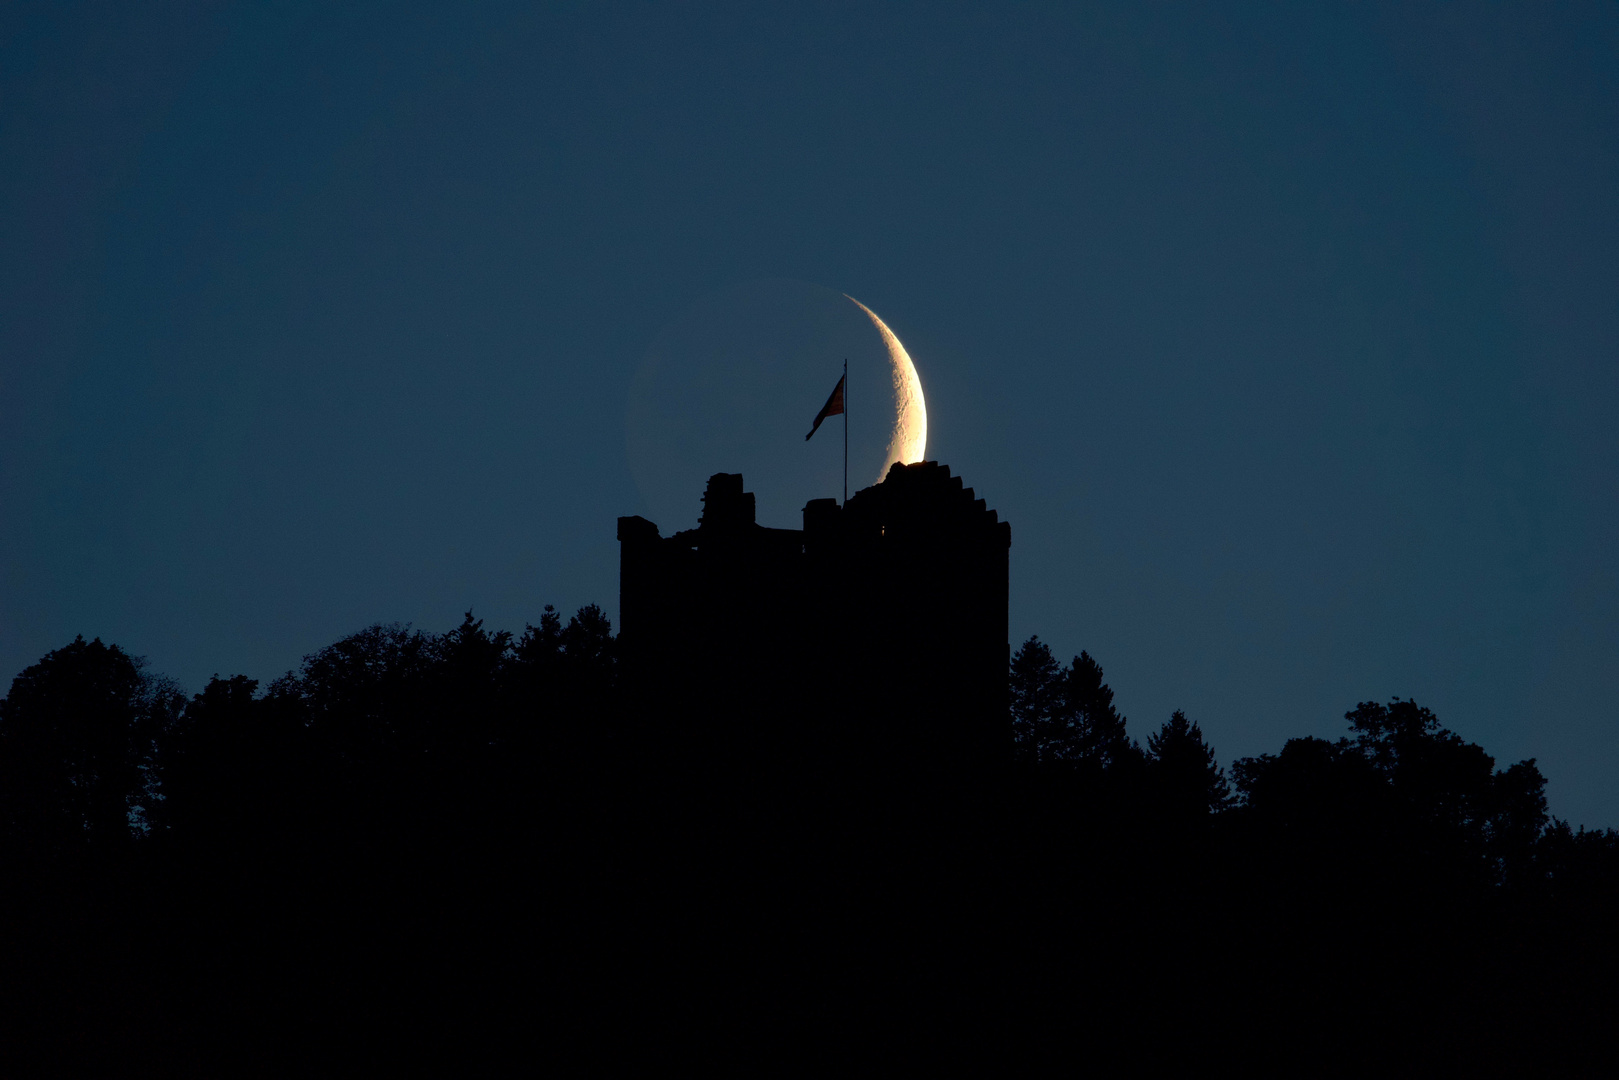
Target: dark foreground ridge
804	806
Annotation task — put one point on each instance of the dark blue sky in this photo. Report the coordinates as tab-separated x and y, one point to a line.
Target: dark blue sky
1285	337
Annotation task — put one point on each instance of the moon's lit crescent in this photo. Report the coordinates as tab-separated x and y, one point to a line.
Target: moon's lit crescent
909	440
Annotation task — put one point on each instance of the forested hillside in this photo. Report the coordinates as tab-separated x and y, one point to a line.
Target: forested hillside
452	841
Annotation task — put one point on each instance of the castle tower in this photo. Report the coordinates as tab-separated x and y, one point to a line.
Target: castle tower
875	638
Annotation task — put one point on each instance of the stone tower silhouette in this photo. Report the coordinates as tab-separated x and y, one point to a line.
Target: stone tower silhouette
874	638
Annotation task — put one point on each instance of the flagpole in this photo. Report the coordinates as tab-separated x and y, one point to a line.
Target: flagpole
845	429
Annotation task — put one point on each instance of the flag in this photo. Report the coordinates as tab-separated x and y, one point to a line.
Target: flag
833	407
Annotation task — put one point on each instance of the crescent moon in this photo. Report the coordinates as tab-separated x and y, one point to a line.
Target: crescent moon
908	442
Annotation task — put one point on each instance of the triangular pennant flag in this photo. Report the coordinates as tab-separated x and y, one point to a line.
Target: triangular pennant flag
833	407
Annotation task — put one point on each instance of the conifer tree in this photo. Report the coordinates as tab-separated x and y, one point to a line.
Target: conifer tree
1186	777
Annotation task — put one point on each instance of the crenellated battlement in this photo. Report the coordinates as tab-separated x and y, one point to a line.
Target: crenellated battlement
879	622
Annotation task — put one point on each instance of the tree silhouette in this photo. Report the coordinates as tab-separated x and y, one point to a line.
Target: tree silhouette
1459	814
1186	779
1064	713
468	675
1091	729
587	642
219	766
1406	797
435	790
1515	821
1316	810
538	652
78	739
367	694
1037	703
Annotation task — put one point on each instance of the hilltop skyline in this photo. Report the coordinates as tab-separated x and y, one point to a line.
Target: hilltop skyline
1284	336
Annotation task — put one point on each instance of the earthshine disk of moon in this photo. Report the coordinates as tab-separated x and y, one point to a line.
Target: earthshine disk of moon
908	441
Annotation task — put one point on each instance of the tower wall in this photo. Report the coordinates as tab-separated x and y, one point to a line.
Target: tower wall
872	641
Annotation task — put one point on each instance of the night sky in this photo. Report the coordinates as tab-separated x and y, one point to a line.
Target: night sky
1285	337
